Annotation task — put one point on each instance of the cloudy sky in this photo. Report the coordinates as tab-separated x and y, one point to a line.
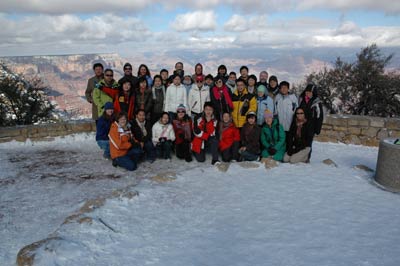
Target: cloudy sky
127	27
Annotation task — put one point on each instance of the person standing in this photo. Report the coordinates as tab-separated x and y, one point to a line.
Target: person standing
244	73
263	79
125	101
175	95
221	98
106	91
312	106
198	95
91	85
222	73
264	102
285	105
243	103
231	82
143	71
198	72
144	98
128	75
158	92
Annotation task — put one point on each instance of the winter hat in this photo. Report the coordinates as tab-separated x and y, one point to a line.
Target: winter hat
273	78
261	88
181	107
310	87
108	106
268	114
199	78
209	104
251	114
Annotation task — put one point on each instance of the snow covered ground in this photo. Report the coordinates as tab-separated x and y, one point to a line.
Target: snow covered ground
306	214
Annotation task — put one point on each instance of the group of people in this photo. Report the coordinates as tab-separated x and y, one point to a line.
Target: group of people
233	117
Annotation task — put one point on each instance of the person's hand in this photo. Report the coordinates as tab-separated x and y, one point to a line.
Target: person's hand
142	144
271	150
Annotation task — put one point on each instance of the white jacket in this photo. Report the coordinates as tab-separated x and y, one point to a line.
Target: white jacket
162	131
197	98
175	96
285	106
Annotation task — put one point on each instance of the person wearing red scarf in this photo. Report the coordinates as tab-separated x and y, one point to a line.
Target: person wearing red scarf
126	100
221	98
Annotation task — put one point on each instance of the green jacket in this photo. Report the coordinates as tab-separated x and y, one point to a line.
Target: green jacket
100	97
273	137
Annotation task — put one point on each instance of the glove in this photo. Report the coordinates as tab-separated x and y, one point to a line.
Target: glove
245	107
196	128
271	150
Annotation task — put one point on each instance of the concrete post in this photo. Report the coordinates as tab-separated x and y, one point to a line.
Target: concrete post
388	165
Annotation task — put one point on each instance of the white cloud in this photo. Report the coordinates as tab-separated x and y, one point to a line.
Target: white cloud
236	23
347	27
195	21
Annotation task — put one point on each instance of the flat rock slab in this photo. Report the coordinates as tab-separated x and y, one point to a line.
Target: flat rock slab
223	167
249	165
329	162
164	177
363	167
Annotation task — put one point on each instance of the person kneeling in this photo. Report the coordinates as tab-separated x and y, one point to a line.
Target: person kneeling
163	136
123	152
273	138
250	139
183	133
300	139
229	141
204	135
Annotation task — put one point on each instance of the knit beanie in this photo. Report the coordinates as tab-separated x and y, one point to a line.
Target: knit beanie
268	114
261	88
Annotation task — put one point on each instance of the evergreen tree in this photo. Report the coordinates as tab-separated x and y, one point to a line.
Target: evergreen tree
22	102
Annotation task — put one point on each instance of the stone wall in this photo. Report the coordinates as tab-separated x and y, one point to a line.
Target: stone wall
45	132
359	130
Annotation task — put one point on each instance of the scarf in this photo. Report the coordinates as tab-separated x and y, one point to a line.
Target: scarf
162	88
218	92
142	126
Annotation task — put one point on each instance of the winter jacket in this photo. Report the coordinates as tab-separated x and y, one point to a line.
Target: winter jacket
149	81
250	138
273	137
232	88
162	131
104	93
242	104
144	100
197	98
120	140
203	132
125	103
285	106
175	96
91	85
297	143
221	99
313	111
263	103
158	99
182	129
138	131
103	128
228	136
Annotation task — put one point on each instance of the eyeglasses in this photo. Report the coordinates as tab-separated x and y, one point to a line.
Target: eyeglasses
299	113
108	75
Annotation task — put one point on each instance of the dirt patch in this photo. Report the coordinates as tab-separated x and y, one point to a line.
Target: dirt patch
5	182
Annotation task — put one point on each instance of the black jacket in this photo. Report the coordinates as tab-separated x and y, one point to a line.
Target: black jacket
250	138
295	143
137	131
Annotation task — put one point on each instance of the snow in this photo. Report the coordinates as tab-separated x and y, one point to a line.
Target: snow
305	214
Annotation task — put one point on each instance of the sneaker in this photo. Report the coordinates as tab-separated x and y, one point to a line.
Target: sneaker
215	162
188	159
114	163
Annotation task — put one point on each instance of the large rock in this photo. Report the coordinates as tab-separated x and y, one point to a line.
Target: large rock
388	165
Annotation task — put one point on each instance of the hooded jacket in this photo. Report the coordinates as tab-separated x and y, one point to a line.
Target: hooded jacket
182	129
175	96
120	140
240	101
313	110
273	137
263	103
285	106
197	98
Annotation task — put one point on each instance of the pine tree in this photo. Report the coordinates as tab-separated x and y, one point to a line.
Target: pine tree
22	102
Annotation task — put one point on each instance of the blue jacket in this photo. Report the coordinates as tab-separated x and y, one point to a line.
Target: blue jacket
102	128
263	103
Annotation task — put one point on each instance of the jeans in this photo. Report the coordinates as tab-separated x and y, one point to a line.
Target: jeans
164	149
210	144
149	150
129	161
105	146
231	153
248	156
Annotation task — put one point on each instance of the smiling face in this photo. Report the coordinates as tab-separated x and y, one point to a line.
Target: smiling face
219	83
244	72
240	86
108	76
122	121
208	111
251	120
128	71
284	90
109	112
164	119
263	77
141	116
126	87
142	71
177	80
251	82
98	71
198	70
226	117
143	85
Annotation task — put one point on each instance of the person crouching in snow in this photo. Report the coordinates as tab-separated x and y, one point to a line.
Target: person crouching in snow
250	139
300	139
229	140
273	138
204	129
163	136
103	127
183	134
123	152
141	129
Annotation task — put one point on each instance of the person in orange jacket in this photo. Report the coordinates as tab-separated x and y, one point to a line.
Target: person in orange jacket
123	147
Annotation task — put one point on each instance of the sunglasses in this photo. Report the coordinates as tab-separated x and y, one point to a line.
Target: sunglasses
108	75
299	113
199	81
180	112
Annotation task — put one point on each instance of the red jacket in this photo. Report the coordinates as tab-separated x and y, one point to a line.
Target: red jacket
228	136
207	129
183	130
